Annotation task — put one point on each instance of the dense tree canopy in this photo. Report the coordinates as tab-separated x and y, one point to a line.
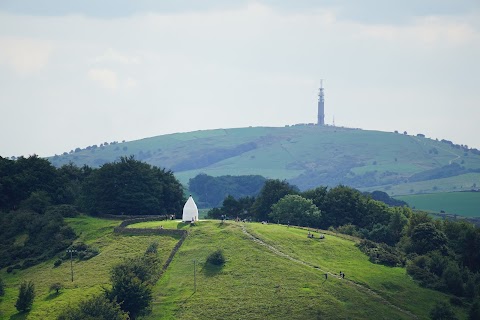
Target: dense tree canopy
132	187
272	191
212	190
296	210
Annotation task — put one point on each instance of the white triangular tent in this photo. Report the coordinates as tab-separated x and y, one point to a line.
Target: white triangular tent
190	211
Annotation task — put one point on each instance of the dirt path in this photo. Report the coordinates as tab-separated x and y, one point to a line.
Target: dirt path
331	274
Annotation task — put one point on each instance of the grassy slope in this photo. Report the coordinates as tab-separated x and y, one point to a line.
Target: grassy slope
287	152
254	284
257	284
461	203
89	276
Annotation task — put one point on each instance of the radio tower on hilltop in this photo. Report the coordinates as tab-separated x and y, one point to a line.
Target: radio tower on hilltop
321	105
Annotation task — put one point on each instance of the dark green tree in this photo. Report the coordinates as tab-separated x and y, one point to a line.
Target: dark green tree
2	287
317	195
211	191
426	237
26	295
132	187
442	311
296	210
38	201
132	283
271	193
474	313
98	308
343	205
453	279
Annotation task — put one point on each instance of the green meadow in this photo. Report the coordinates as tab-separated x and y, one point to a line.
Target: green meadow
89	276
271	272
461	203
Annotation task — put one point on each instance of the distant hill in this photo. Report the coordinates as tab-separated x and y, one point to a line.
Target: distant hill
305	155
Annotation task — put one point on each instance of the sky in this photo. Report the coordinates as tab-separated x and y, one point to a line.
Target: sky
78	73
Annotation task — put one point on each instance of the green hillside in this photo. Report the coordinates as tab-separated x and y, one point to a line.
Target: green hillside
306	155
272	272
461	203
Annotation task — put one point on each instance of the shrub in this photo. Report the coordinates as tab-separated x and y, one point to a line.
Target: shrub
426	278
65	210
28	263
2	287
474	313
132	283
442	311
216	258
97	307
382	253
57	263
57	286
456	301
152	248
26	295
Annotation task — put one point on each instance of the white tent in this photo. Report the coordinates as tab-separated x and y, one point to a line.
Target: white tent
190	211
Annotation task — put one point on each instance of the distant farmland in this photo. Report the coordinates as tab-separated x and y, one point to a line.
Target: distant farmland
461	203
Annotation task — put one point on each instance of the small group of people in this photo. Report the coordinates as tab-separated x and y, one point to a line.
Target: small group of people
311	235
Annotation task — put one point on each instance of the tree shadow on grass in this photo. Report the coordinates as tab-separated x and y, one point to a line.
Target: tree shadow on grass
19	316
180	225
52	296
211	270
221	224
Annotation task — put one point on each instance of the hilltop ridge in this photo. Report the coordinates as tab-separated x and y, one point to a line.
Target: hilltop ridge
305	155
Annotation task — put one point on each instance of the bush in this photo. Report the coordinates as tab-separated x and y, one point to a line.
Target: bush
2	287
28	263
26	295
426	278
57	263
442	311
474	313
382	253
456	301
65	210
152	248
57	286
132	283
97	307
216	258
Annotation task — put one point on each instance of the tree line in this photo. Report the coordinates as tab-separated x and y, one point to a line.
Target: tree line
35	197
439	254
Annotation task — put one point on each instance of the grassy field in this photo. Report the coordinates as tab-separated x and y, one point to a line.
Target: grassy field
464	182
255	282
461	203
89	276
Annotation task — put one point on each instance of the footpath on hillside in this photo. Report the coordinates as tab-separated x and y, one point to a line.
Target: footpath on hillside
334	275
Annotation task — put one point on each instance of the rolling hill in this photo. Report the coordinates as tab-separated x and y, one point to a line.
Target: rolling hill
305	155
271	272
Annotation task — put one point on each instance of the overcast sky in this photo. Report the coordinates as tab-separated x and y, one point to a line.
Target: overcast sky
78	73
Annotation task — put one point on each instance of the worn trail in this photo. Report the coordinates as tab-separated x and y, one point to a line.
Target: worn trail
331	274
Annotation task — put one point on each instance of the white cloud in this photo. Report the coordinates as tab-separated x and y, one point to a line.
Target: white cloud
130	83
24	55
105	78
431	30
111	55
